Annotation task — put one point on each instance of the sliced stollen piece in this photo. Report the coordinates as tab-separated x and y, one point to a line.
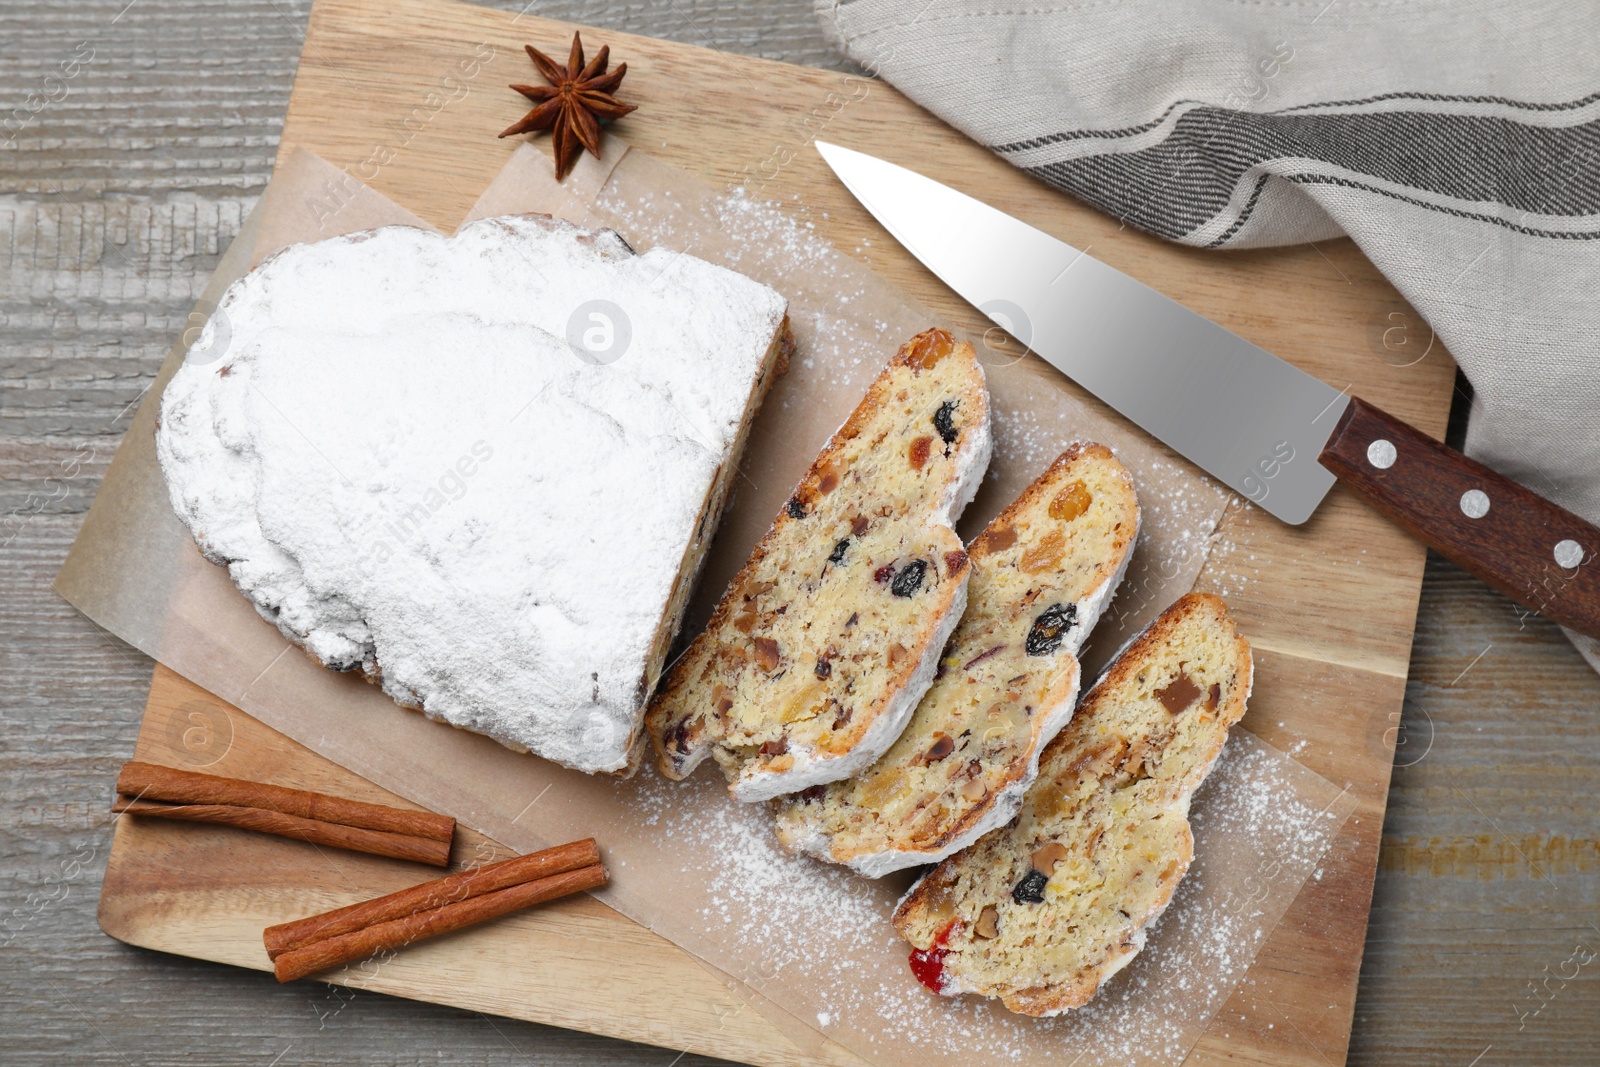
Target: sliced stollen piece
830	634
1040	913
424	457
1042	573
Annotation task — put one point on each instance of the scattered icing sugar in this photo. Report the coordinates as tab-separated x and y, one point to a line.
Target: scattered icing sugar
470	466
817	940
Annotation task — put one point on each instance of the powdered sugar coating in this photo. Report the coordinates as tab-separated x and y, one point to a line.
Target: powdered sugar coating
409	470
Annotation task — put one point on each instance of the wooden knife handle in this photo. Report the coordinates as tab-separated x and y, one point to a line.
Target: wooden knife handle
1542	556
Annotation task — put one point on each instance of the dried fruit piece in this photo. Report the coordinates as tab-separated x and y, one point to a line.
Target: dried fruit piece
1179	694
796	509
1050	628
1031	889
918	453
827	478
1046	555
944	421
1071	502
998	540
909	579
839	549
775	748
929	349
943	745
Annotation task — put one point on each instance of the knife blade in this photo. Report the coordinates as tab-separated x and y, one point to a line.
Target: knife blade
1275	434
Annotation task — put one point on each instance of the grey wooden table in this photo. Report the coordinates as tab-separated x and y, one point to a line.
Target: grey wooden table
134	138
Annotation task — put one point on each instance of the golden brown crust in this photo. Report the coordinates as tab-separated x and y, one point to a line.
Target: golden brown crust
1075	768
678	733
905	808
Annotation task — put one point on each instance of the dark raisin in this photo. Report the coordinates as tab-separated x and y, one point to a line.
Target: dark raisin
812	795
855	617
909	580
796	509
1031	889
775	748
841	717
944	422
838	551
677	736
943	745
1050	628
824	669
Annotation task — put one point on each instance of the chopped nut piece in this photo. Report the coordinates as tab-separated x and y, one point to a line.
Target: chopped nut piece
973	789
1045	858
767	656
943	745
988	925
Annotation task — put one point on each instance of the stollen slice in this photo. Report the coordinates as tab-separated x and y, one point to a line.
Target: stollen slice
1039	914
823	644
1042	573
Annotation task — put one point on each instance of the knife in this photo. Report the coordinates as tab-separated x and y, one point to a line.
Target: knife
1265	428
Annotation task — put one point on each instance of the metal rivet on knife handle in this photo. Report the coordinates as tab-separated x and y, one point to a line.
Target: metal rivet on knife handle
1382	454
1474	503
1568	554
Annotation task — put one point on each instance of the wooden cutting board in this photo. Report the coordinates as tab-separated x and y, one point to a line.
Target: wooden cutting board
402	94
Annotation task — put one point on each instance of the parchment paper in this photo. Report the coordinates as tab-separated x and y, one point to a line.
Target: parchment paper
811	943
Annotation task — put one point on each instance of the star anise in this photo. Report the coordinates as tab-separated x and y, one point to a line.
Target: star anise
573	104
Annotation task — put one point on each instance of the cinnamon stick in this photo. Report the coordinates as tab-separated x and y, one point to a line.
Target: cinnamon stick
396	933
431	895
431	851
149	781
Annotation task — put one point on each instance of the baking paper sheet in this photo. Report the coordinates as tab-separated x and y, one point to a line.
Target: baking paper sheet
810	943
